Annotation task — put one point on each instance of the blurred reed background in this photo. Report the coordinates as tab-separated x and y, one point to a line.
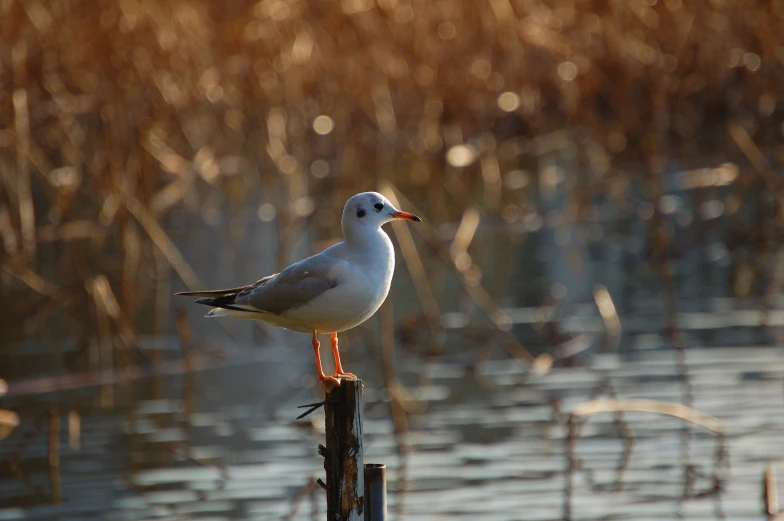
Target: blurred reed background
125	125
118	115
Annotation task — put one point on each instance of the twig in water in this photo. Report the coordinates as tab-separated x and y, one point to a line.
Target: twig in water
577	419
676	410
627	434
54	457
612	323
771	491
573	426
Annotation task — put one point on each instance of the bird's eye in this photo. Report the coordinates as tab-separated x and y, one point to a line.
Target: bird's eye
378	206
360	213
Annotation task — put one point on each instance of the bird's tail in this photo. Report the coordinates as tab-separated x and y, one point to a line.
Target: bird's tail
212	293
232	313
222	302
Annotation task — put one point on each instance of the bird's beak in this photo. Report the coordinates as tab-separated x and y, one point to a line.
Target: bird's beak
405	215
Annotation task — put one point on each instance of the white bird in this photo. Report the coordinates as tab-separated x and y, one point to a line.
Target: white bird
332	291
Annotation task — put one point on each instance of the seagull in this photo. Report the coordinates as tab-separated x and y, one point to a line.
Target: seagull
330	292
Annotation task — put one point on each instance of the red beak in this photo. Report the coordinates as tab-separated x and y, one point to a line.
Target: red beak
407	216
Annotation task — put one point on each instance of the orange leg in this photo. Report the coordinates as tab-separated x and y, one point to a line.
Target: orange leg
328	383
339	372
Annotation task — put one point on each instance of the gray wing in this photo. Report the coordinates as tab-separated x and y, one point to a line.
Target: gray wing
293	287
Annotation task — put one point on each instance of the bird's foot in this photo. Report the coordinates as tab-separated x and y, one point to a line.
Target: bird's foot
338	374
328	383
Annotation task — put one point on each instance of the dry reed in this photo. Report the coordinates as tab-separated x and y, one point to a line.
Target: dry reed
113	115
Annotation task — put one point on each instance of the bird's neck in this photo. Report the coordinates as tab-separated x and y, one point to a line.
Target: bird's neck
365	236
371	242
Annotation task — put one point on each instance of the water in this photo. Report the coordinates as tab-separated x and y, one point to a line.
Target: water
487	437
490	442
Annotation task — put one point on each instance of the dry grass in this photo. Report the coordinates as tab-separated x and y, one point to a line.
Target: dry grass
114	114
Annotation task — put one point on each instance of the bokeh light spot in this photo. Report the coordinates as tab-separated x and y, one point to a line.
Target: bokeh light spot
752	61
319	168
510	213
287	164
533	222
304	206
323	125
645	210
567	71
461	155
509	101
766	105
266	212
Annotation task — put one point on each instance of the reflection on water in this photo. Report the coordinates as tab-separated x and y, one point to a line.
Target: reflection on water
487	433
490	442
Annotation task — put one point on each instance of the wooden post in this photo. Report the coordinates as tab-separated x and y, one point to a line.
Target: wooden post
343	459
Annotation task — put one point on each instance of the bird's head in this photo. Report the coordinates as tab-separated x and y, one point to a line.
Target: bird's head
370	210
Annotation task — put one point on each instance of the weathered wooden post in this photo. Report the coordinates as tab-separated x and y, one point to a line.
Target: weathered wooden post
343	458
